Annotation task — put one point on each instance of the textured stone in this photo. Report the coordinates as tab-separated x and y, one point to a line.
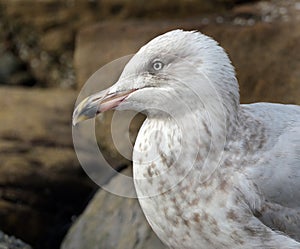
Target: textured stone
41	182
13	71
43	32
10	242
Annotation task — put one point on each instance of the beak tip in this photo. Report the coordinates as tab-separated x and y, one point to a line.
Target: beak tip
74	122
76	117
83	112
79	117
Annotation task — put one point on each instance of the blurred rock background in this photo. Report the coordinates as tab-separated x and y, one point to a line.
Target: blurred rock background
49	48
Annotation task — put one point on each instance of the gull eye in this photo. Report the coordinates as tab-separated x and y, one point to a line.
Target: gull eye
157	65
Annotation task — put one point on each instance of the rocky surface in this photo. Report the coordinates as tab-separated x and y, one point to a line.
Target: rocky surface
112	221
42	32
41	182
10	242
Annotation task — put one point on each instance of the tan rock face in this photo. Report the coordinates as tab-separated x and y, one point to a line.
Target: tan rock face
41	182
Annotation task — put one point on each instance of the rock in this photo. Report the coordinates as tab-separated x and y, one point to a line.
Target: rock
9	63
55	39
10	242
112	222
13	70
21	78
42	185
44	31
266	64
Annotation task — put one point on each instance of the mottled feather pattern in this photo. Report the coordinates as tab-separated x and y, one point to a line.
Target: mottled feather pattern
222	212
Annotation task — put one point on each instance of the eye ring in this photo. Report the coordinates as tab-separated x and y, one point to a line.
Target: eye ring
157	65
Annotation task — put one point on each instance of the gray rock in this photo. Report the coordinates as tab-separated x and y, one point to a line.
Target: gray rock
112	222
10	242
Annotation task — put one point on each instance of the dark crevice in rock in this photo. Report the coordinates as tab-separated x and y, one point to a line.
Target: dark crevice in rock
116	9
52	204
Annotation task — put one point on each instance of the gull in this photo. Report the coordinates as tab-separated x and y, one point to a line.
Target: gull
209	172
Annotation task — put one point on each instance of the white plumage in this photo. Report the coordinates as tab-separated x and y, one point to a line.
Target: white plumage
209	172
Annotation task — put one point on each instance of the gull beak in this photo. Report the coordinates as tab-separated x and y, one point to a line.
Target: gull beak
98	103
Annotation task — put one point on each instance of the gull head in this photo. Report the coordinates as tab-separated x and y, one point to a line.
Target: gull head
174	73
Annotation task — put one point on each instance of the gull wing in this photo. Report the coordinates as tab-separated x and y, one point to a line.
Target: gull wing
277	174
